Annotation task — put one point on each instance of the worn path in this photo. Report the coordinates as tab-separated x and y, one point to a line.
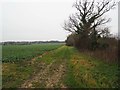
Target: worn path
49	75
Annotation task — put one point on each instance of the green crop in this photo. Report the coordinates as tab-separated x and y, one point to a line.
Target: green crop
18	53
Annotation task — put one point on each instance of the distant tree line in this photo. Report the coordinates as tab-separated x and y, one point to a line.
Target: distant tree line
28	42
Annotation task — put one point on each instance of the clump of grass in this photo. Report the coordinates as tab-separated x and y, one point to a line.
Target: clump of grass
14	74
87	72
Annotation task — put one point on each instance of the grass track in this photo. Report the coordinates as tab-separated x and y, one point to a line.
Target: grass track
66	67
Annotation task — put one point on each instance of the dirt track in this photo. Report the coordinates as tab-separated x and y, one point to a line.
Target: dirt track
48	76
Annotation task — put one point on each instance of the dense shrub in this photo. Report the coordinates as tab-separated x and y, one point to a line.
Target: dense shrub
104	48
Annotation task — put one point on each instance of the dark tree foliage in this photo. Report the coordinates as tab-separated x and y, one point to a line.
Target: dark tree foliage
86	21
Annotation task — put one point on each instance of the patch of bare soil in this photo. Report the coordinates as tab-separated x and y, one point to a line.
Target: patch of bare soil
36	78
55	79
48	76
40	56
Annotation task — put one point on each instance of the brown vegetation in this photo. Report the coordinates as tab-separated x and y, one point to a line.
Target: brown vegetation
107	51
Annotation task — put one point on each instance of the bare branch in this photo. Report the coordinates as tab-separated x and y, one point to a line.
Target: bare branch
89	15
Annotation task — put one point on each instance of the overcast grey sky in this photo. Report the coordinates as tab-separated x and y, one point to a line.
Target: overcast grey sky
119	19
39	19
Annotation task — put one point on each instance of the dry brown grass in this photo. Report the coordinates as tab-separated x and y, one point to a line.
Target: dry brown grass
109	54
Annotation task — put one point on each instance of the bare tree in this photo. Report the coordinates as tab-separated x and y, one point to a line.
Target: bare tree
88	17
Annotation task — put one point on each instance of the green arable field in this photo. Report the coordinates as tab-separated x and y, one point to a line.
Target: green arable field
16	53
55	66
